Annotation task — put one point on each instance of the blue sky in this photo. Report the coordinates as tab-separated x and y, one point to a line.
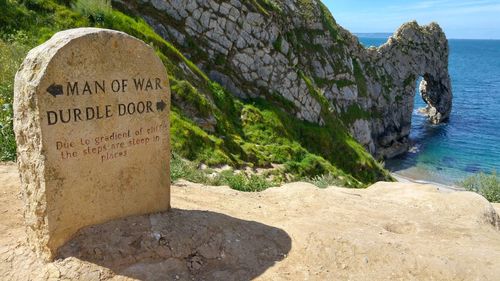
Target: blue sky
460	19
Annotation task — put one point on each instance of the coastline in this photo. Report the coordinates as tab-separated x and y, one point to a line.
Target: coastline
405	179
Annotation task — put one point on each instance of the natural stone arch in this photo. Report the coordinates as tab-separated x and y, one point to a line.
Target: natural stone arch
422	51
413	51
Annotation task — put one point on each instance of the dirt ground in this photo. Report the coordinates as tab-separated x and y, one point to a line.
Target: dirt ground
390	231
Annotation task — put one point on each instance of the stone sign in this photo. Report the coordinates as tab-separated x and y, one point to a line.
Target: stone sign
91	117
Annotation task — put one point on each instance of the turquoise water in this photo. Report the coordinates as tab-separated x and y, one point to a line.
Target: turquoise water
470	142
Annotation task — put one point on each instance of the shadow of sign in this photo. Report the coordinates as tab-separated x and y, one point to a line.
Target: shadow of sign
181	244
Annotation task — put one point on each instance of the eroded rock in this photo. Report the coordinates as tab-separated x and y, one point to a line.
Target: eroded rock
91	117
296	46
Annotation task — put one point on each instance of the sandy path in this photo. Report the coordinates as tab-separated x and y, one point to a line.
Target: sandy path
397	231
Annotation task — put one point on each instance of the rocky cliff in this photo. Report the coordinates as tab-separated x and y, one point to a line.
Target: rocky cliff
293	50
297	89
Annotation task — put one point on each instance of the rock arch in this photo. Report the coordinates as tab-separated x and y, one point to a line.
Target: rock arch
392	71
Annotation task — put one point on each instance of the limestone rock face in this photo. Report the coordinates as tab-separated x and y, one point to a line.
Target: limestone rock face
91	117
412	52
296	50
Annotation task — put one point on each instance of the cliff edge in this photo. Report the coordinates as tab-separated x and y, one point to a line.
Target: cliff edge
296	51
298	91
390	231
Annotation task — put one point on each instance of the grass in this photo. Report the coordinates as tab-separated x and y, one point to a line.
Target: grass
238	180
360	79
183	169
266	7
488	185
326	180
97	11
354	112
329	22
188	95
191	142
304	144
24	25
12	52
242	182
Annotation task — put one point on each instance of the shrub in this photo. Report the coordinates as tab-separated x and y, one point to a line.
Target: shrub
97	11
488	185
180	168
187	95
184	169
12	52
310	166
235	181
326	180
240	181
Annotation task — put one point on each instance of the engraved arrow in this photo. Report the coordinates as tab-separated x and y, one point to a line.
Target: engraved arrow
55	90
160	106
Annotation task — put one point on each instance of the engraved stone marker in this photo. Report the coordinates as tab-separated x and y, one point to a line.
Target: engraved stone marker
91	117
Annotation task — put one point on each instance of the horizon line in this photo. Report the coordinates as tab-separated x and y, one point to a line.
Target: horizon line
454	38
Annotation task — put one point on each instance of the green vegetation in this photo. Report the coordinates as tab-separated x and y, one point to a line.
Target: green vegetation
326	180
488	185
183	169
331	138
12	52
189	95
242	182
274	137
316	94
193	143
266	6
360	79
306	9
95	10
410	80
277	43
208	124
344	83
329	22
355	112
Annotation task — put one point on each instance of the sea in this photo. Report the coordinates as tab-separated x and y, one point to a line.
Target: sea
470	142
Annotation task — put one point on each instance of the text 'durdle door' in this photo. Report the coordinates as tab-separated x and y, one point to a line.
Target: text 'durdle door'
91	117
